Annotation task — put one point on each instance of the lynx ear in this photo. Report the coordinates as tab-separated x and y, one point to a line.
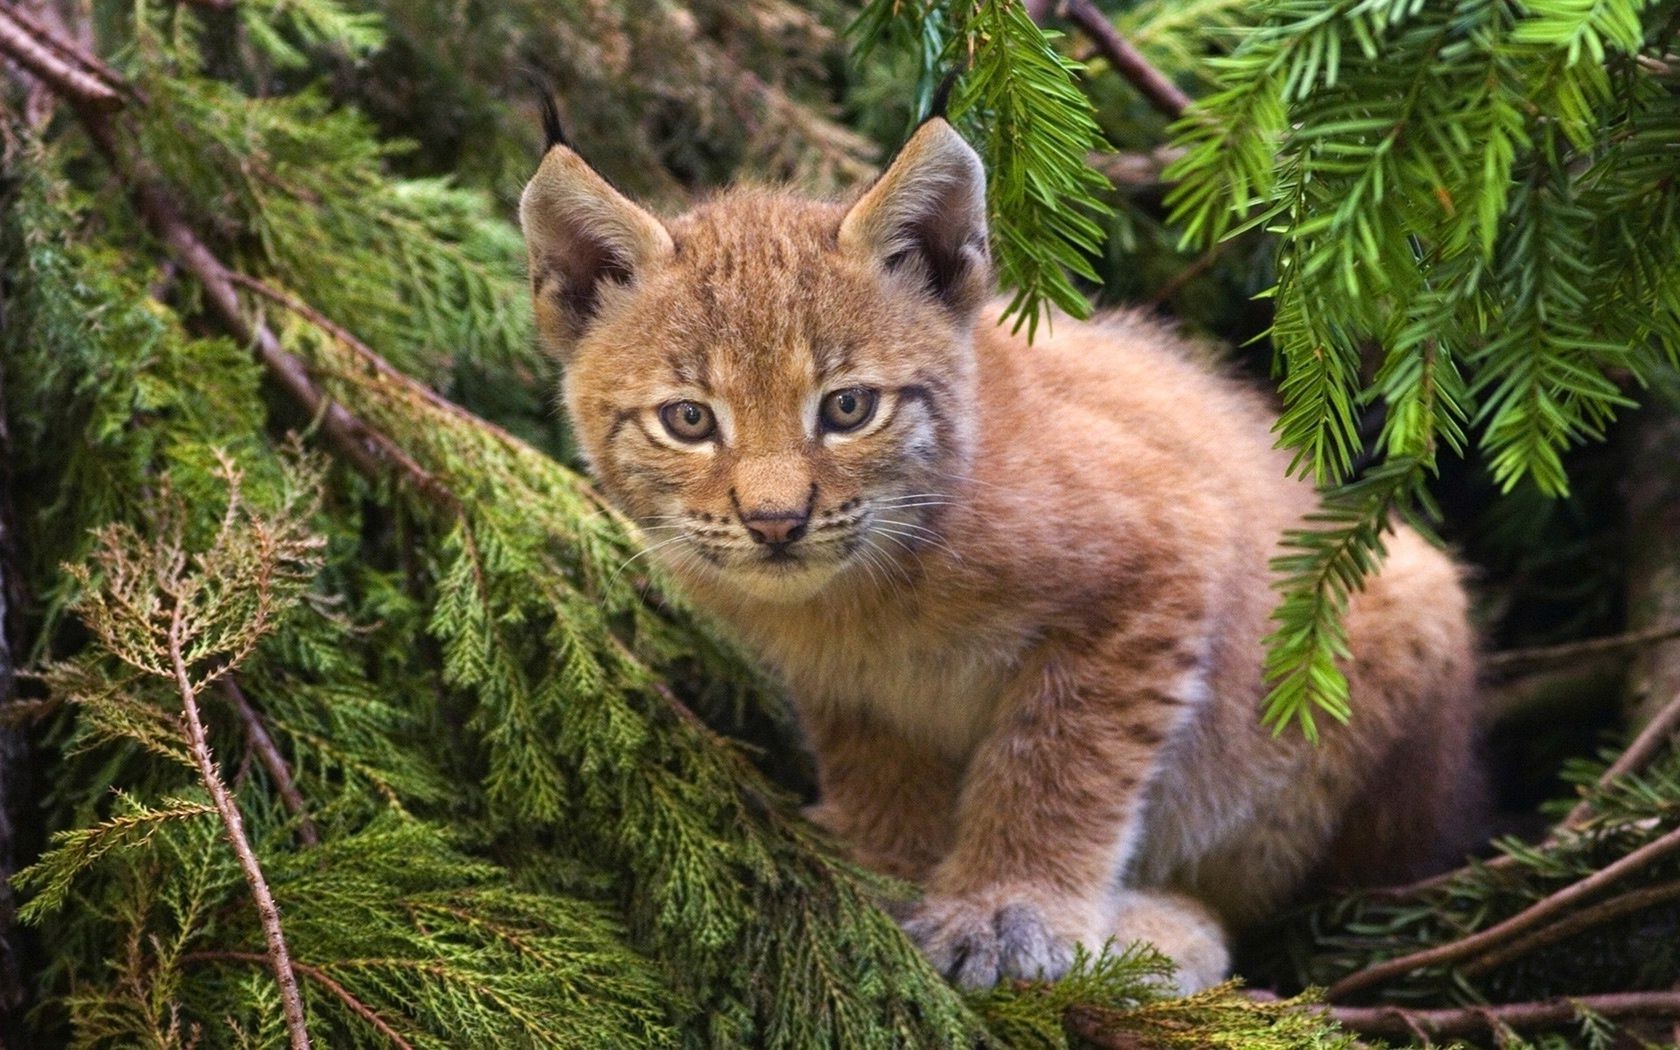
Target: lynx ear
580	233
926	217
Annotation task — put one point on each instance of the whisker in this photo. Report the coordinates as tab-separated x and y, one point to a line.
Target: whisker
646	550
928	537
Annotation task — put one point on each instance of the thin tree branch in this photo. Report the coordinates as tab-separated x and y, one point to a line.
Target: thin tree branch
366	449
1127	60
268	753
29	47
77	77
1501	932
320	977
198	743
1569	925
1514	658
1653	738
1481	1020
364	351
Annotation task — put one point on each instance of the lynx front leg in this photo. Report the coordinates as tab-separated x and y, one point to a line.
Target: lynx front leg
1049	813
887	799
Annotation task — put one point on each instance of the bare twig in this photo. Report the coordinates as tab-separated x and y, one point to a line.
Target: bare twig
320	977
1478	1020
1161	92
268	753
1546	654
1525	920
290	1001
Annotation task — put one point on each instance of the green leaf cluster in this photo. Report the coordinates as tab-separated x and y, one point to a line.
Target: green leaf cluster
1470	191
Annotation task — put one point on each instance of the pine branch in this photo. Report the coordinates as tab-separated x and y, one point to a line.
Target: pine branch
1542	911
1576	922
1154	85
1657	734
1652	739
367	450
198	742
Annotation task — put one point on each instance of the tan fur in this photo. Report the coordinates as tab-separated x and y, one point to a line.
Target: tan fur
1023	627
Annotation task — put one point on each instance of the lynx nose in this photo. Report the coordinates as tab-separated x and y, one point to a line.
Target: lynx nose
778	529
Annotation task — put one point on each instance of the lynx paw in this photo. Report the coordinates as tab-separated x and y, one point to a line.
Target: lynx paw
1182	929
976	941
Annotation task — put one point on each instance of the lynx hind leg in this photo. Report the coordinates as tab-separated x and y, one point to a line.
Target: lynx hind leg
1414	725
1180	928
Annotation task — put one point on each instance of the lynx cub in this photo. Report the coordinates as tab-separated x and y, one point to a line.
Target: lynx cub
1018	592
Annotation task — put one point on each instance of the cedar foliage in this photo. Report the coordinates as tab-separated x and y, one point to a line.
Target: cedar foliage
498	819
509	808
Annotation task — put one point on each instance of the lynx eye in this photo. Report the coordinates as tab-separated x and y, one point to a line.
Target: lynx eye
847	409
688	420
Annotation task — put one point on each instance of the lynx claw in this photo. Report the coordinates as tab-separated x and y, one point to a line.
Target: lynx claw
977	944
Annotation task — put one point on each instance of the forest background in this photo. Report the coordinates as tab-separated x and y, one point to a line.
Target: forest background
337	712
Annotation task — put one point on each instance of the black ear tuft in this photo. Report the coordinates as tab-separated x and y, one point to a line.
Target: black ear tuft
941	100
553	134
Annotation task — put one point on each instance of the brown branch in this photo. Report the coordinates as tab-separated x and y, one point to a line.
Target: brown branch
1139	169
76	76
198	743
268	753
320	977
1513	658
367	450
1650	740
25	44
1478	1020
1501	932
1569	925
367	353
1127	60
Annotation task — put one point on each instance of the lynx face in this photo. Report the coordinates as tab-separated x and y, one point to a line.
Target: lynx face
779	391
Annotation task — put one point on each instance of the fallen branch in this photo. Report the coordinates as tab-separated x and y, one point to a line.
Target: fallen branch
1386	1021
320	977
198	744
367	353
1500	932
1127	60
268	753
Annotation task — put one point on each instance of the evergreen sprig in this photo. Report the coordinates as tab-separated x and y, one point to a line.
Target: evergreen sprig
1017	98
1426	167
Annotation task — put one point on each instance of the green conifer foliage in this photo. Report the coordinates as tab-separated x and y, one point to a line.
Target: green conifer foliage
1453	183
473	748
